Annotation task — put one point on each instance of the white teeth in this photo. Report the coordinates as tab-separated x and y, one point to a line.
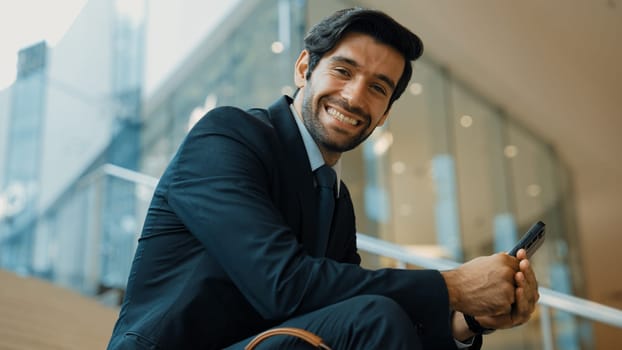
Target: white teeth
341	117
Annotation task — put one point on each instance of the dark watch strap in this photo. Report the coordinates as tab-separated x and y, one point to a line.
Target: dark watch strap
475	327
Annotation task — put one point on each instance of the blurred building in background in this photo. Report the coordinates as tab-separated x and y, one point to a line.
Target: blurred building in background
83	139
72	108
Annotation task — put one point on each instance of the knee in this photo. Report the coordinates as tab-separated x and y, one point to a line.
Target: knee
380	320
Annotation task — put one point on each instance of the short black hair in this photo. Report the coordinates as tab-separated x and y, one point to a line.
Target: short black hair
325	35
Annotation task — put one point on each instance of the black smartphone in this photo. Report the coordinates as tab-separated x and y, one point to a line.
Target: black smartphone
531	240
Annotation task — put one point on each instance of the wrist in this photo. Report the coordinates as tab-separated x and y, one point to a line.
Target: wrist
459	328
475	326
453	292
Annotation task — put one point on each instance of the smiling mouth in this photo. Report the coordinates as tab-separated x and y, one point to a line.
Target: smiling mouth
337	115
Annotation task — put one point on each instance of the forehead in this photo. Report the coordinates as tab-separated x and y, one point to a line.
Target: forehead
369	54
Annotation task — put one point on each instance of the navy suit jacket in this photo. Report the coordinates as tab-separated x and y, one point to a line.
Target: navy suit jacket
223	256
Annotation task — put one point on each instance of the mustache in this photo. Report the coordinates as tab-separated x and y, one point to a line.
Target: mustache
350	109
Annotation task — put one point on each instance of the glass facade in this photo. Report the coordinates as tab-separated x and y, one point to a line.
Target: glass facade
242	65
22	169
450	174
119	218
79	238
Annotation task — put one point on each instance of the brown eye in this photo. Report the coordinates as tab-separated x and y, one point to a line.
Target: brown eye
380	89
342	71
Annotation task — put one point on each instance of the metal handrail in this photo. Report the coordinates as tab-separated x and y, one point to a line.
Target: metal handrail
549	298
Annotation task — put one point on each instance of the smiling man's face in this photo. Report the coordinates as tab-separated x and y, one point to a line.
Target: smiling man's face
348	93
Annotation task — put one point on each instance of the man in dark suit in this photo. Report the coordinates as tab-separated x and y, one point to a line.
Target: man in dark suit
235	242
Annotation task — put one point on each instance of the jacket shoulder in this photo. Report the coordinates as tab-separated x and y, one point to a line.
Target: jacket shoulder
243	125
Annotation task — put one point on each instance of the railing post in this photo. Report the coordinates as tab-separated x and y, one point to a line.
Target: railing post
546	328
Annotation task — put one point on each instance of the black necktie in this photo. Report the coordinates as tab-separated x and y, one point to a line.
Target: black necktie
326	178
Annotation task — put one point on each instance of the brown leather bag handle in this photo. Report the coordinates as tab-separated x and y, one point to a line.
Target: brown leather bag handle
305	335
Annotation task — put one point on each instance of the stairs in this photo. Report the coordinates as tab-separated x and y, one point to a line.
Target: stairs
35	314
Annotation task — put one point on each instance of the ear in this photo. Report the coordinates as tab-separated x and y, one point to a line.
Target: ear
300	70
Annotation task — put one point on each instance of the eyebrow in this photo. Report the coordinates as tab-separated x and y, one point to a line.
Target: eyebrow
347	60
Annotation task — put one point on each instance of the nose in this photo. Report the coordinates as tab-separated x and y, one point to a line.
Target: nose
354	92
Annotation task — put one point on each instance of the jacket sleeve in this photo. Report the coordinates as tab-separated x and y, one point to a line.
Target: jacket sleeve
221	190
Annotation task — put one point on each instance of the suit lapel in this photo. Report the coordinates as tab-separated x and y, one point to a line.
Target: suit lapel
295	166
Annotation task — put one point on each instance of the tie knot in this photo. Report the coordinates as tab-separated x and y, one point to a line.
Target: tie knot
325	176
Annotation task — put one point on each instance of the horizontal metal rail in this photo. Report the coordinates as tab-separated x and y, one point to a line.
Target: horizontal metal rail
129	175
560	301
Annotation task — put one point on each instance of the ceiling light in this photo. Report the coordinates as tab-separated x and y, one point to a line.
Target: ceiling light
398	167
510	151
466	121
415	89
534	190
277	47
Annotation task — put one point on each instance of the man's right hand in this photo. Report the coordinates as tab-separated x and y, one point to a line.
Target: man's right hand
526	298
483	286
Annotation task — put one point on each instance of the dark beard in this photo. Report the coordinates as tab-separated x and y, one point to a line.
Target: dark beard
318	132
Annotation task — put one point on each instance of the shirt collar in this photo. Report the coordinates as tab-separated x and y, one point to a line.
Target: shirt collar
313	151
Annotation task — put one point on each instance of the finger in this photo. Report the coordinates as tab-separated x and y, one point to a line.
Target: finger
520	280
527	296
525	267
523	308
529	290
531	284
521	254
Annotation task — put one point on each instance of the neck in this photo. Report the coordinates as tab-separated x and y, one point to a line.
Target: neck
330	157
